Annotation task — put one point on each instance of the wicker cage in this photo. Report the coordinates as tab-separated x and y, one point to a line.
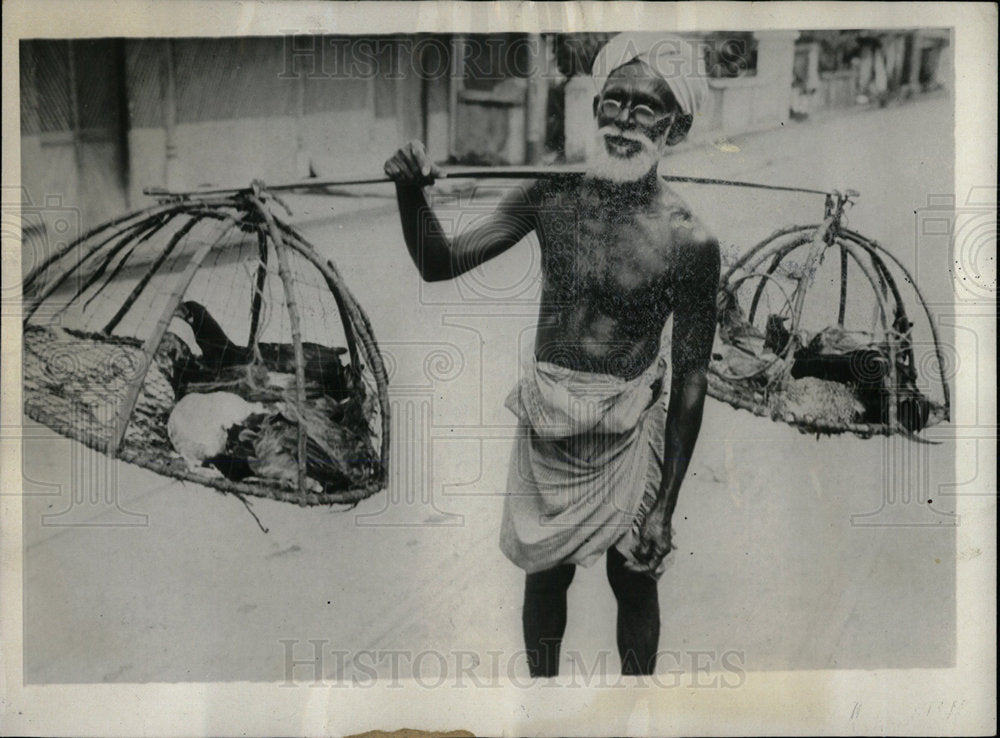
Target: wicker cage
800	342
107	362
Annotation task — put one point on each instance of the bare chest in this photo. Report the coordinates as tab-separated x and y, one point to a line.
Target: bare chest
595	248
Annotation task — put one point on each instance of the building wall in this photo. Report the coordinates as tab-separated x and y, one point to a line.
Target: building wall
762	101
491	97
103	119
259	119
216	111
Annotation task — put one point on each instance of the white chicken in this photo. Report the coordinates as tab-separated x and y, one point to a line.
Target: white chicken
199	424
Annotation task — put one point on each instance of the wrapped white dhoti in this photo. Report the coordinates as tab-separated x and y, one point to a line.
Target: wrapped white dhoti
586	463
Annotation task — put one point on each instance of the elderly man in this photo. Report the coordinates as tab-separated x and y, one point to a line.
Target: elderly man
598	460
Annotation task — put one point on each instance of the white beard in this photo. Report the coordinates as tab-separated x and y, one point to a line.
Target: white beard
605	165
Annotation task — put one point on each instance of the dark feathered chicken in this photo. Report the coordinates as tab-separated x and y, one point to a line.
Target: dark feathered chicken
185	370
266	445
776	336
835	356
175	359
323	366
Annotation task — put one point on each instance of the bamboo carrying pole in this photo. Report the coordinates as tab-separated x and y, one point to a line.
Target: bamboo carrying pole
513	172
528	172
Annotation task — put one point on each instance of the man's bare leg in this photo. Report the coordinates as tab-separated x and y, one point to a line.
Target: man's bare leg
544	617
638	615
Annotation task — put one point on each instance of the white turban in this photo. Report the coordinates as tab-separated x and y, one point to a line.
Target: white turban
677	61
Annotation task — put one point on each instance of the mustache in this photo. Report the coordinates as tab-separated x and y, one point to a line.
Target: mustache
616	131
639	138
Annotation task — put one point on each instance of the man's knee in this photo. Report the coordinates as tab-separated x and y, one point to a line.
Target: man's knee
631	586
551	580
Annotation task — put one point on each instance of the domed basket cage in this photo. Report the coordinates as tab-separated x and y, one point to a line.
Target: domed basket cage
826	344
144	311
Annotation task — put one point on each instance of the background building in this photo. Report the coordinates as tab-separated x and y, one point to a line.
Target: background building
101	119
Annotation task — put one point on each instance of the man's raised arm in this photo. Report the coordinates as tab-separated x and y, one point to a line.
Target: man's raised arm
436	255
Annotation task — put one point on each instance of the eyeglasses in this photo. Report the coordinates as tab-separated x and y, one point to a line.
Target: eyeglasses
643	114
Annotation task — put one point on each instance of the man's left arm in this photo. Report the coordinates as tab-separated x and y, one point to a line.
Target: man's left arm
691	350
